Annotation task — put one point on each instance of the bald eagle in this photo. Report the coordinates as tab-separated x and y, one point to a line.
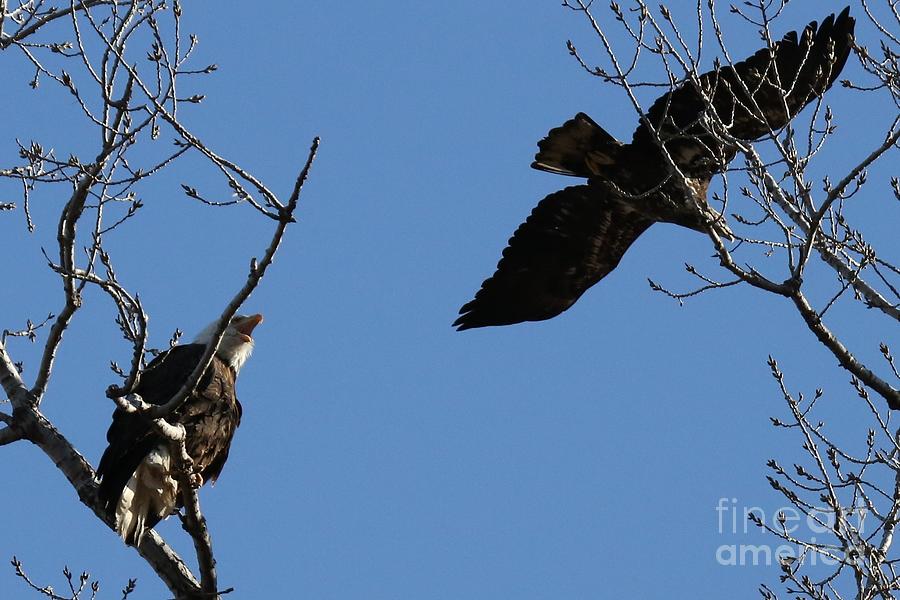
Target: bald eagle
138	484
576	236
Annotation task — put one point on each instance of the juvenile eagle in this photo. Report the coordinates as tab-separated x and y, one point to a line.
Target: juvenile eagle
139	485
576	236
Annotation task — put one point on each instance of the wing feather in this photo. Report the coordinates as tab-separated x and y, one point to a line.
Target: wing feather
573	238
781	81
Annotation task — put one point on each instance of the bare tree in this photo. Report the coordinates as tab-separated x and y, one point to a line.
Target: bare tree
795	238
123	62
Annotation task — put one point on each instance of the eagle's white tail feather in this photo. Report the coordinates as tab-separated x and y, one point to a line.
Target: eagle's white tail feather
151	491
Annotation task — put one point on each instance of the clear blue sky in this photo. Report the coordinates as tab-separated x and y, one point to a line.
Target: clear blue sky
383	455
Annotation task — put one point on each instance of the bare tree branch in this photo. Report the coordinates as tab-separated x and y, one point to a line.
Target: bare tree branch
126	103
845	358
45	19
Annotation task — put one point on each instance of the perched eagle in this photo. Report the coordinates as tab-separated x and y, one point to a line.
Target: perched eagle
139	485
576	236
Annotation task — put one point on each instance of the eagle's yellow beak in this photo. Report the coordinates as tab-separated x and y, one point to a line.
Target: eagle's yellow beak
246	326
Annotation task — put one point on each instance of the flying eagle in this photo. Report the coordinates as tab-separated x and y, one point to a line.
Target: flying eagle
138	486
576	236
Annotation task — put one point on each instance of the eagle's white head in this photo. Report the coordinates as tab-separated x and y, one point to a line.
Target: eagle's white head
237	343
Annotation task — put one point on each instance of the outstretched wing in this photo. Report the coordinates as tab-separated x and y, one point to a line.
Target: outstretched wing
750	99
573	238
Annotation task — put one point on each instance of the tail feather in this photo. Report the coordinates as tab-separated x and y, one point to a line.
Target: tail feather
149	496
578	148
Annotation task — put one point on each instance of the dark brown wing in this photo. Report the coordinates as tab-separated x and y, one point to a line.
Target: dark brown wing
780	83
130	437
572	239
210	417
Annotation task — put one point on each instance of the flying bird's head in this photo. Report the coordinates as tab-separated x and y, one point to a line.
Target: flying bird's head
237	343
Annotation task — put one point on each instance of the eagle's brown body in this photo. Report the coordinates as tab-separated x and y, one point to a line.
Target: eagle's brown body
139	482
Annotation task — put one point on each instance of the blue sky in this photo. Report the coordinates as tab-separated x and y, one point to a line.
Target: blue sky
383	455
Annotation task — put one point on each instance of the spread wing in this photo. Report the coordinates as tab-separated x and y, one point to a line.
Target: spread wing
572	239
750	99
